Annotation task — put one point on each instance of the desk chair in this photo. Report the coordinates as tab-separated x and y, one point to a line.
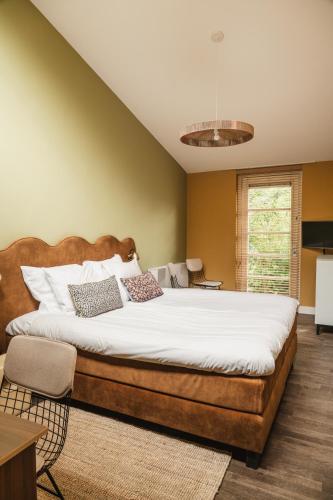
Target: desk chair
38	381
197	275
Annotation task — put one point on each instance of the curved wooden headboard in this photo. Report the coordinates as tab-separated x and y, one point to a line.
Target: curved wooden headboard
15	298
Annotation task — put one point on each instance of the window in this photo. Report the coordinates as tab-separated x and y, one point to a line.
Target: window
268	232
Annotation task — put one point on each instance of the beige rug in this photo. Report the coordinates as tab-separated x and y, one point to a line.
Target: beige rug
104	458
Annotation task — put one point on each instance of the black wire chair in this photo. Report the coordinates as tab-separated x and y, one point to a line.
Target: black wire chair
44	409
51	413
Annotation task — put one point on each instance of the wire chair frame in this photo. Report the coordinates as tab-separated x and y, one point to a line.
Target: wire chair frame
175	283
44	410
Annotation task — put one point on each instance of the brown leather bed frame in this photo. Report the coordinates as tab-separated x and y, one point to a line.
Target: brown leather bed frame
235	410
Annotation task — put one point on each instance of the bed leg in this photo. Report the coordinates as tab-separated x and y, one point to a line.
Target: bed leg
317	329
253	459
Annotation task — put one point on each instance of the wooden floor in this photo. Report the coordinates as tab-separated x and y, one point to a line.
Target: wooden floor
298	460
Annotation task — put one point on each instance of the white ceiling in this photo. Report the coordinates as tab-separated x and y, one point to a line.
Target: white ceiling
156	55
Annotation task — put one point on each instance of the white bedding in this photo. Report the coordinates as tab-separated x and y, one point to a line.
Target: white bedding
224	332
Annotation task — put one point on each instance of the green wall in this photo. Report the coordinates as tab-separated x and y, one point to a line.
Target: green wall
73	159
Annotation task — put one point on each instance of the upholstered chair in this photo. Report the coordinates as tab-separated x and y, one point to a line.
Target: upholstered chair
38	381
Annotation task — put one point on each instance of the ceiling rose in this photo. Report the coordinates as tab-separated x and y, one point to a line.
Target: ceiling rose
217	133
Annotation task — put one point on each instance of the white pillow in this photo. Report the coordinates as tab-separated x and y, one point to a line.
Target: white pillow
123	270
40	288
93	270
114	259
59	278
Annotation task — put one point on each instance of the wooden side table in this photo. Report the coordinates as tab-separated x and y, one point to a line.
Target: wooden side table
18	457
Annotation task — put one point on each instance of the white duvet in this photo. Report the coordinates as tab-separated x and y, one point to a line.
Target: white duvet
224	332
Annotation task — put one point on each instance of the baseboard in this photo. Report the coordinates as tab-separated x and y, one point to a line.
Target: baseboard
306	310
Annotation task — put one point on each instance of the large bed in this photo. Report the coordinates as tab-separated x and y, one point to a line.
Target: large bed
210	363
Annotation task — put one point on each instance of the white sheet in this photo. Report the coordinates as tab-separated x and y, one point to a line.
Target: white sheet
224	332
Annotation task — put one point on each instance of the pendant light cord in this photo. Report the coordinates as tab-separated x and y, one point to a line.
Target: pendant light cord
217	38
217	82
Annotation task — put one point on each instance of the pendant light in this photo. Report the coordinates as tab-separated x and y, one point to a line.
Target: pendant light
217	133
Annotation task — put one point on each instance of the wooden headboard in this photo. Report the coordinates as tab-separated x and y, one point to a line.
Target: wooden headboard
15	298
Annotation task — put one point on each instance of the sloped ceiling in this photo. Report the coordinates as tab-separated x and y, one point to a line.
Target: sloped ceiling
276	70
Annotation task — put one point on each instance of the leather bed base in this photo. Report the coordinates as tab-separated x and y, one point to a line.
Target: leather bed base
249	394
243	429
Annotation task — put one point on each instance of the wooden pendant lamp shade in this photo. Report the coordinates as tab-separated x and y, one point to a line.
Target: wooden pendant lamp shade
220	133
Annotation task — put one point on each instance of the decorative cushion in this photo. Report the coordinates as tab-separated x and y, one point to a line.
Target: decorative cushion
142	287
91	299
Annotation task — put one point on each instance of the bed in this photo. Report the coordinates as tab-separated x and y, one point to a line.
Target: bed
145	369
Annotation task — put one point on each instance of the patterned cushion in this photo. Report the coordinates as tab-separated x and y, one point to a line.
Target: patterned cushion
142	287
91	299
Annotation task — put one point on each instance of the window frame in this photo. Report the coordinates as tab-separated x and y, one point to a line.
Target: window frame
245	181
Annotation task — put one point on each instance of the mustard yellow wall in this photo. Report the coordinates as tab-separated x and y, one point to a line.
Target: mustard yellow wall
317	205
211	223
73	159
211	220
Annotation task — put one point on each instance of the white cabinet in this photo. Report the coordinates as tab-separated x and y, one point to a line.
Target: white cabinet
324	291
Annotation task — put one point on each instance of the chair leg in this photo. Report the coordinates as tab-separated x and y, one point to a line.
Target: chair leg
253	459
56	491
